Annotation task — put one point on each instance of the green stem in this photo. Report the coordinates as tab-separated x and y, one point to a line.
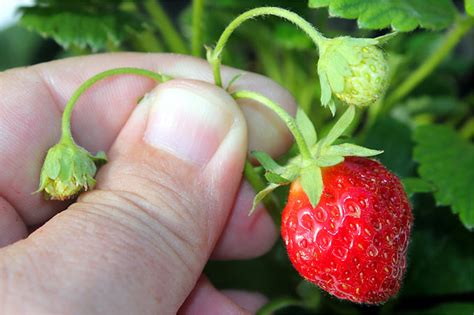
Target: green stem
167	30
451	39
289	121
215	56
278	304
66	135
196	40
147	41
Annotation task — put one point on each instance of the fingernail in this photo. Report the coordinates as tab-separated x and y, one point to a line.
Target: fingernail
186	122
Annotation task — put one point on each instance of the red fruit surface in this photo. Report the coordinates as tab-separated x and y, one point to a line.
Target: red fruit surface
353	244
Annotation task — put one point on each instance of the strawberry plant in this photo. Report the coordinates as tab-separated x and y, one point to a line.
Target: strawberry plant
380	205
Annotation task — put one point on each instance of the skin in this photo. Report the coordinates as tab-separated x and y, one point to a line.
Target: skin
136	244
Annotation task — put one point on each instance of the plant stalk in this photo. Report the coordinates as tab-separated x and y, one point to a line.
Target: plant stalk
289	121
66	135
166	28
216	55
196	39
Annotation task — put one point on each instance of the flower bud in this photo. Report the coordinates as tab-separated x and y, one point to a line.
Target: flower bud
354	70
68	170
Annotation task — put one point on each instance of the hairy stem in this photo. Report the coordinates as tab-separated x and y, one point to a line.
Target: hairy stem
66	135
215	56
196	39
289	121
166	28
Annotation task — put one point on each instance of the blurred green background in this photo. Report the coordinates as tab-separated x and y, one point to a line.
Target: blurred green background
434	117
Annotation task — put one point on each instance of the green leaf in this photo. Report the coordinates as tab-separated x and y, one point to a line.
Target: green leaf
349	149
469	5
261	195
312	183
447	161
440	256
79	26
306	127
415	185
340	126
275	178
401	15
266	161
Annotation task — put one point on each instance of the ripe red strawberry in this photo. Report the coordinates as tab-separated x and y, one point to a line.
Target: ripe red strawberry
353	244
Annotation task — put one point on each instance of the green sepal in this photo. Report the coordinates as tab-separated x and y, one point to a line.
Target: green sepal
306	127
68	169
234	79
385	38
261	195
210	55
340	126
325	87
329	160
311	180
349	149
267	162
275	178
100	159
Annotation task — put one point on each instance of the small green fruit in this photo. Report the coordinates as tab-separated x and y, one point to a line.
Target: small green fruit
354	70
68	170
368	80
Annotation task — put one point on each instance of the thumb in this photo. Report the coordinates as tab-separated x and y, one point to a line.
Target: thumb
138	243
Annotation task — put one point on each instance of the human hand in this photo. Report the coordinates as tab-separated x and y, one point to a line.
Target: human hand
170	197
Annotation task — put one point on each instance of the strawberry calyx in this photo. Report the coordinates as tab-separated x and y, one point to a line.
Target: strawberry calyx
308	169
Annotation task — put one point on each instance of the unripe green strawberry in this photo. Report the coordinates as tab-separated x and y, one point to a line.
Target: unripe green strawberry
368	80
354	70
68	170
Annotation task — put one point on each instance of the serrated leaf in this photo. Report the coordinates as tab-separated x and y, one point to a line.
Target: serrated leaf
275	178
311	180
469	5
349	149
340	126
306	127
78	26
414	185
261	195
447	161
266	161
401	15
